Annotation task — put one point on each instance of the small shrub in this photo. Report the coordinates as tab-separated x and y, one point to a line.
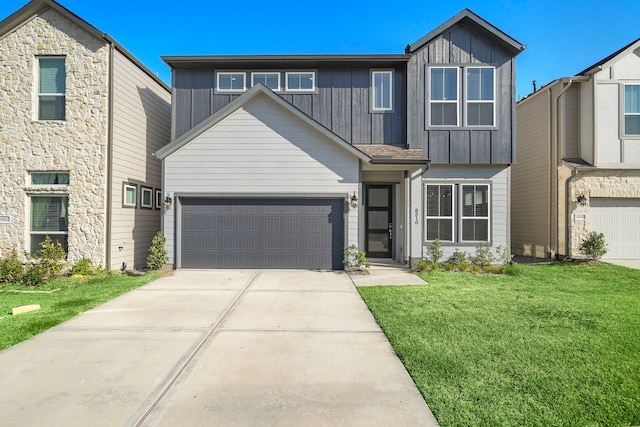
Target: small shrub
594	247
33	276
504	255
157	258
354	259
11	268
458	258
448	266
434	252
85	268
422	265
484	256
49	258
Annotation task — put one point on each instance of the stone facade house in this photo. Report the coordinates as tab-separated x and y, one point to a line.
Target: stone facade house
578	164
79	120
281	161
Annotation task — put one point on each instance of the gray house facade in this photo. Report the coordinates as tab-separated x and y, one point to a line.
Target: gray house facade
80	117
284	160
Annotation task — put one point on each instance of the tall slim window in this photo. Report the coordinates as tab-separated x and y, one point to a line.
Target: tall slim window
439	201
443	96
51	88
632	109
475	213
382	90
49	217
480	96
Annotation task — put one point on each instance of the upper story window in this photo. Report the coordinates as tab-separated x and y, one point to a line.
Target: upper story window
480	96
50	178
382	90
461	95
632	109
51	88
443	96
231	82
301	81
270	80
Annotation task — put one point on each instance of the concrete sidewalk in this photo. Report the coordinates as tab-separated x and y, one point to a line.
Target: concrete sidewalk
232	348
386	272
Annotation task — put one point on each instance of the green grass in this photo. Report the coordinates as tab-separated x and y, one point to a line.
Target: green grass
557	345
67	297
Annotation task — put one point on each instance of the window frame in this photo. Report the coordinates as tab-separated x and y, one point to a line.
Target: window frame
149	191
623	109
231	73
125	186
382	109
158	198
34	173
474	217
272	73
452	217
40	95
457	101
467	101
49	232
313	81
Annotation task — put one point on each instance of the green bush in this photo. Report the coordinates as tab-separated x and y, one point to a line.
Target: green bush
422	265
504	255
484	256
434	252
594	247
33	276
49	259
459	259
85	268
11	268
157	258
354	259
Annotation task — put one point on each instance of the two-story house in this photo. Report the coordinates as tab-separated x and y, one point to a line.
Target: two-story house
578	164
79	120
284	160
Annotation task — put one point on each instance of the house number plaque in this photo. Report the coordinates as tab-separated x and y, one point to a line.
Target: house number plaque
416	214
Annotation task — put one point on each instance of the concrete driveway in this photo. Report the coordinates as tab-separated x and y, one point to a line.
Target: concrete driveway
232	348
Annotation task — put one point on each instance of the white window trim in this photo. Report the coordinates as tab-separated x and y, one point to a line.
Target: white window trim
39	94
457	101
224	73
467	102
286	81
148	190
623	130
462	217
373	91
124	196
158	199
453	211
272	73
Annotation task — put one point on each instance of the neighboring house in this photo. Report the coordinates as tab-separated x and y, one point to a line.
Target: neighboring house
80	117
578	164
284	160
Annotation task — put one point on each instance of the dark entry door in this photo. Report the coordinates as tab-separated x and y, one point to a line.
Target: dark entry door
379	222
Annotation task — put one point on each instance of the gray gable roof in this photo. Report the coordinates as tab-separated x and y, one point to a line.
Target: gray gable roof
36	7
245	98
468	17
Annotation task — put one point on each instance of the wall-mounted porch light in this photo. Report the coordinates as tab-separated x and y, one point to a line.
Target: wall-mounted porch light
354	200
582	199
167	202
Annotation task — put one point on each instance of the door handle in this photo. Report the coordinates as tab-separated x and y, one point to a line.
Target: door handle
390	231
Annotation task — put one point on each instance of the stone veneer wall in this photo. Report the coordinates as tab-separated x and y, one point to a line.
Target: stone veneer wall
77	145
599	184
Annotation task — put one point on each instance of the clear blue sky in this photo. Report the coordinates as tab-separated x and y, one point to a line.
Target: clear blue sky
562	37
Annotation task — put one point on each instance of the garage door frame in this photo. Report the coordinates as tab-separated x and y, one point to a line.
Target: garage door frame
178	197
598	205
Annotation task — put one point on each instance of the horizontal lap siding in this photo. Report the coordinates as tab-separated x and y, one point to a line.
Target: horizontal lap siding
341	103
261	149
141	126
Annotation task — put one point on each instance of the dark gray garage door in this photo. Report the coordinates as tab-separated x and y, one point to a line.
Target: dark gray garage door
262	233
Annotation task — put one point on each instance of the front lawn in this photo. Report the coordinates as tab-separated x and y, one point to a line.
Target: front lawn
61	299
557	346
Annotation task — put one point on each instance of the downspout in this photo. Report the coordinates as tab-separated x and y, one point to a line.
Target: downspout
407	215
109	159
555	155
574	174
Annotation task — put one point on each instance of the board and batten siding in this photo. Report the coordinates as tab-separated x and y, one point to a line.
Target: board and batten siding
260	150
530	178
497	176
341	103
462	46
141	126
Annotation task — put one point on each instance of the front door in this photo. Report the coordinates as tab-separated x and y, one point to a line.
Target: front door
379	222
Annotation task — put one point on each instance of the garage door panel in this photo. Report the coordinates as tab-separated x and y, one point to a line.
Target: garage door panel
619	221
262	233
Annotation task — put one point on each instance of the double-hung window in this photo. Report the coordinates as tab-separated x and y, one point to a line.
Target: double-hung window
480	96
231	82
443	96
457	212
51	88
382	90
270	80
300	81
632	109
49	212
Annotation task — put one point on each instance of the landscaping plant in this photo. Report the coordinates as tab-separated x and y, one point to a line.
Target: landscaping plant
157	258
355	259
11	267
594	247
